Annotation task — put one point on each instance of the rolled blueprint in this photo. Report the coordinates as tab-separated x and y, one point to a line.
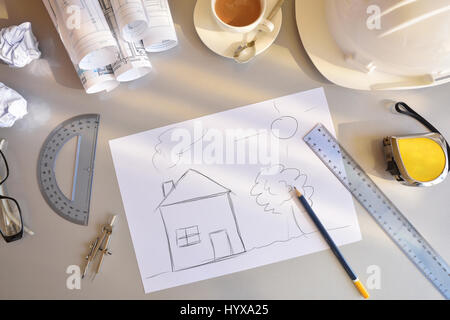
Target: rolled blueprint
161	34
97	80
131	18
84	31
147	20
107	40
132	62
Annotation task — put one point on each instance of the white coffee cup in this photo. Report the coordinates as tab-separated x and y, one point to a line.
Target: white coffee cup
259	24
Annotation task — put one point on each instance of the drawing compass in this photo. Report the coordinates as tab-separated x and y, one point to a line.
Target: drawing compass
100	247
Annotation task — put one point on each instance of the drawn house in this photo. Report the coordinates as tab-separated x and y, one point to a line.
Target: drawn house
199	221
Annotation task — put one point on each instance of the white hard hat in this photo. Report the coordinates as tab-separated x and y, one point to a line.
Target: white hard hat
378	44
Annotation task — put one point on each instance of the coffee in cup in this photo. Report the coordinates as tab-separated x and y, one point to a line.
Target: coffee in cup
238	13
241	16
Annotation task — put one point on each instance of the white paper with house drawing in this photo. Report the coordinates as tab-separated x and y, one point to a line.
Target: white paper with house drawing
220	203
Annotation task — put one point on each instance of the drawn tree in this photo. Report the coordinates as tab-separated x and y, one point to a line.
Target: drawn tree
273	192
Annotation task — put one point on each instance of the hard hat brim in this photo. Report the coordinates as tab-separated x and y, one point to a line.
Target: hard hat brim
329	59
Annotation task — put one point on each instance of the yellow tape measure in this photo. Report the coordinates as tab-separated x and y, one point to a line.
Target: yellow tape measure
417	160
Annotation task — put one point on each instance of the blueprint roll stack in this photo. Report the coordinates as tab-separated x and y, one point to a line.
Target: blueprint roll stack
108	40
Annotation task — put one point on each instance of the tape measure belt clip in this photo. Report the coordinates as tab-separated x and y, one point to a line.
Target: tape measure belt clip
392	167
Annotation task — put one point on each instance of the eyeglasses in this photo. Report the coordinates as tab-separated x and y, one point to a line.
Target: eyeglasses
11	223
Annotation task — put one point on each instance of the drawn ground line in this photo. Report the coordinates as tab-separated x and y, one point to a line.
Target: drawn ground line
254	248
206	262
296	237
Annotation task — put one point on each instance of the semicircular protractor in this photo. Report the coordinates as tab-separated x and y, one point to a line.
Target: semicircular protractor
85	129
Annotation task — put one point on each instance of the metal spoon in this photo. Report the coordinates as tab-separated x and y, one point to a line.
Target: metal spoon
246	51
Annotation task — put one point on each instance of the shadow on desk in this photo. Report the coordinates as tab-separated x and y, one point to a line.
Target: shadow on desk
290	39
54	59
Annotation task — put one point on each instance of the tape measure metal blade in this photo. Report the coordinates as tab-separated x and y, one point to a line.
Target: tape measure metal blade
389	217
85	128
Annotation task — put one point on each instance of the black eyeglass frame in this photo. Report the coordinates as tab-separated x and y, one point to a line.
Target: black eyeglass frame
18	235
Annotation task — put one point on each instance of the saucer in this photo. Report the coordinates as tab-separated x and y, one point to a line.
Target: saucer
223	42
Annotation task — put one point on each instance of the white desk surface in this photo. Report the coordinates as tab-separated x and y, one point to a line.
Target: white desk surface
190	81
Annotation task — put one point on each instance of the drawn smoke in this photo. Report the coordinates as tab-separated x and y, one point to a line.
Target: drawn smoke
167	153
163	158
273	191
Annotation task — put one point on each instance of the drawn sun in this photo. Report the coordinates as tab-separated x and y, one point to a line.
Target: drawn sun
284	127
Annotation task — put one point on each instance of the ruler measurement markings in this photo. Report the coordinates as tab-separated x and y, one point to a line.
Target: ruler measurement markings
390	218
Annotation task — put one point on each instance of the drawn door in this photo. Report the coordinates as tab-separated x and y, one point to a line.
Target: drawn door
221	244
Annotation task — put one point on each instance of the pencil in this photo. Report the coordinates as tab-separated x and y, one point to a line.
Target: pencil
358	284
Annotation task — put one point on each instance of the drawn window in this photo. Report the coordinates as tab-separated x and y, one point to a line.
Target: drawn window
187	236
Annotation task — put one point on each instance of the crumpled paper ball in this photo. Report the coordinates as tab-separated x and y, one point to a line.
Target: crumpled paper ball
12	106
18	45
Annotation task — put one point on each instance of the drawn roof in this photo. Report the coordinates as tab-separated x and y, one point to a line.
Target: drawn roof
193	185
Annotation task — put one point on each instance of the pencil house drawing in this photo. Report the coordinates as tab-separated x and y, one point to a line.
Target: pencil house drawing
200	222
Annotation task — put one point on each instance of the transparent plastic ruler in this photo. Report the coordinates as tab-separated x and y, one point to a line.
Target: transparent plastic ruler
85	128
390	219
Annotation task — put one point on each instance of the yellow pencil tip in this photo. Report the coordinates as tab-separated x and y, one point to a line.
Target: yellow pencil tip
358	284
297	192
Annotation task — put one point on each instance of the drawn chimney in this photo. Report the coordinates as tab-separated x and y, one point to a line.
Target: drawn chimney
167	187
